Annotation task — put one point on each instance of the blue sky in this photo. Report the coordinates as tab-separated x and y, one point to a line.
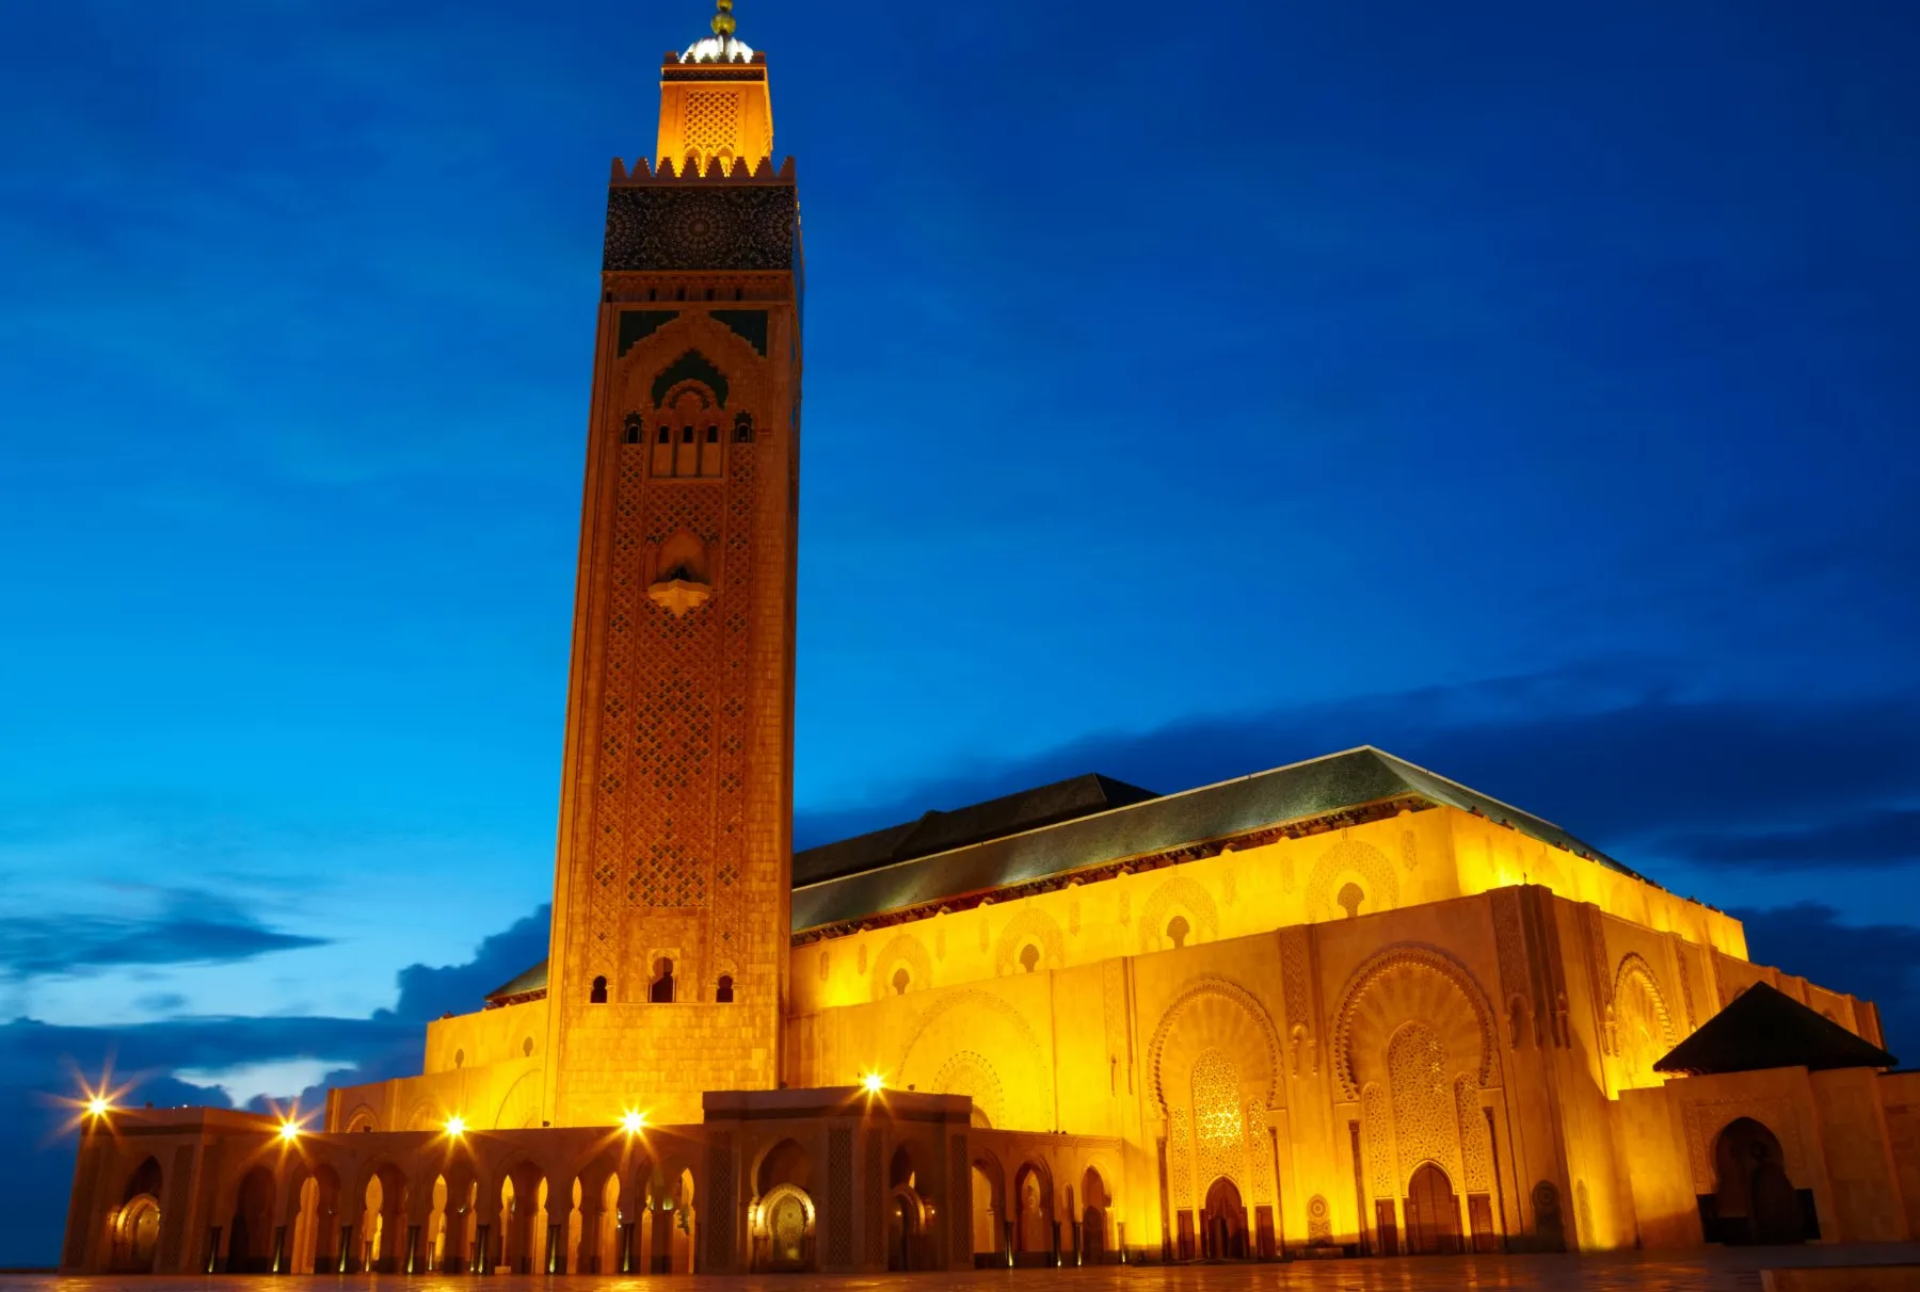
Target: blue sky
1527	391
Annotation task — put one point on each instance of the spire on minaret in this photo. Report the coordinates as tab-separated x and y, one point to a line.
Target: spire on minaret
722	46
717	112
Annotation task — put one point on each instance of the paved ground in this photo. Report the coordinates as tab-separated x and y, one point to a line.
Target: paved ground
1716	1270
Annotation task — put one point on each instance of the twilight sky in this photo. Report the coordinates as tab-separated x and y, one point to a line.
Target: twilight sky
1530	391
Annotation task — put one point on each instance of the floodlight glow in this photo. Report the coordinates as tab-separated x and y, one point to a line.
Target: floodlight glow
98	1106
633	1122
456	1126
874	1083
289	1131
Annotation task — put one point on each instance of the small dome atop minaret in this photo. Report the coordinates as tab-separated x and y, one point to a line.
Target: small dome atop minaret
722	46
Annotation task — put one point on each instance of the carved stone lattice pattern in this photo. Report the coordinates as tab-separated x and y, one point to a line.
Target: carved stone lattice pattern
959	1187
1595	928
1032	925
839	1195
1187	895
1180	1158
1425	1116
1644	1026
970	1074
1294	953
1376	1119
1319	1220
1510	944
1217	1012
730	934
1259	1151
700	226
1346	858
712	119
1410	982
876	1192
1027	1095
659	721
1476	1155
1703	1121
1681	956
1218	1128
1409	849
717	1209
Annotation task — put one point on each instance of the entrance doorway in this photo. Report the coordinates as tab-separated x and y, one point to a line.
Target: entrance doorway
1754	1201
1223	1223
1433	1214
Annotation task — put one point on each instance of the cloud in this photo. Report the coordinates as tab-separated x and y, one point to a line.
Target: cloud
162	1002
41	1064
428	992
1605	752
1877	962
1890	837
192	927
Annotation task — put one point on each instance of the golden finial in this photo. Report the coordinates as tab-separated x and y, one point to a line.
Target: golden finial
723	18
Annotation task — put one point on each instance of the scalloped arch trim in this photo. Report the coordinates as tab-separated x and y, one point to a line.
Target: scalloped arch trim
1367	976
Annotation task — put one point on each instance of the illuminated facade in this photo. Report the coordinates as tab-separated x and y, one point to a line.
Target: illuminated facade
1342	1007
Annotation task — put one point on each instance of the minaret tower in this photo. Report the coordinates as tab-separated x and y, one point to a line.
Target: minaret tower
671	893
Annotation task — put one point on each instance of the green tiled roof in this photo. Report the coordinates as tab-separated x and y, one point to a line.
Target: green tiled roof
1295	793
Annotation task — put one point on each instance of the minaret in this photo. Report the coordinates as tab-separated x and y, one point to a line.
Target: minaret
671	892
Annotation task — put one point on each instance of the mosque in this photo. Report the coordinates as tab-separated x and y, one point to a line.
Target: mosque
1346	1007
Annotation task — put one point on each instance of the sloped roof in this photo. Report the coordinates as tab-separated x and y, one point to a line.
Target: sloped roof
938	831
532	980
1094	820
1766	1028
1298	792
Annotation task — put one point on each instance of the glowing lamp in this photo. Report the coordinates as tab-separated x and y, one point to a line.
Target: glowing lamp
289	1131
98	1106
633	1123
456	1126
874	1083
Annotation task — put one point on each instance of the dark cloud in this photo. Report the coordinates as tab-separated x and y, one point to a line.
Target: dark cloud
161	1002
1884	838
43	1064
191	927
1635	766
1877	962
428	992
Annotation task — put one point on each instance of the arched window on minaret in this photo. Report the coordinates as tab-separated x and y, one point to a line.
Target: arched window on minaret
723	992
599	993
660	992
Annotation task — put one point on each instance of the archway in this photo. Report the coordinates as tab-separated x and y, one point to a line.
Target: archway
1093	1220
382	1219
1754	1200
1223	1223
784	1213
313	1223
249	1244
908	1243
989	1213
1033	1225
523	1226
1433	1213
136	1230
786	1228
